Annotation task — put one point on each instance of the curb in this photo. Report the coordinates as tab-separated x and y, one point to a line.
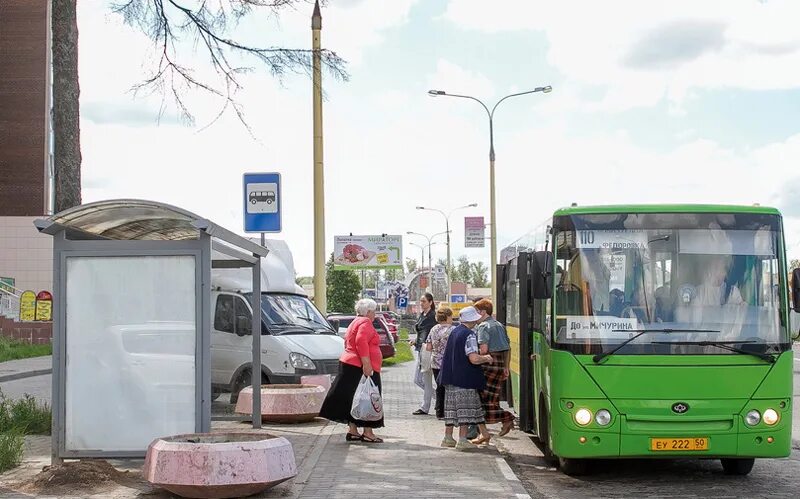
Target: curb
24	375
511	478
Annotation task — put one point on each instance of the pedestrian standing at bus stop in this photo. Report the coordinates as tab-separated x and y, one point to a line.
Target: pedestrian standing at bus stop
425	322
493	340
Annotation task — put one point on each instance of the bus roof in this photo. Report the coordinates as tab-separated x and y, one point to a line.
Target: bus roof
665	208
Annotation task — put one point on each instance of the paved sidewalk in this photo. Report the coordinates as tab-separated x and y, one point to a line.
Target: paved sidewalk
24	368
409	463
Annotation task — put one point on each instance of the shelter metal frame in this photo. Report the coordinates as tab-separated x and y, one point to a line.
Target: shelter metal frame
69	241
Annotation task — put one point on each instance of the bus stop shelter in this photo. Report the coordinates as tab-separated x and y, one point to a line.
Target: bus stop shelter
132	324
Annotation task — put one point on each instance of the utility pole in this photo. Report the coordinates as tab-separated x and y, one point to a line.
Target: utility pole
320	289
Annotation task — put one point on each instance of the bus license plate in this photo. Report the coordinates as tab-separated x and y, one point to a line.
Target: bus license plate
679	444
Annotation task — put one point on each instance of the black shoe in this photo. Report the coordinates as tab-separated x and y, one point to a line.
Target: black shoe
419	412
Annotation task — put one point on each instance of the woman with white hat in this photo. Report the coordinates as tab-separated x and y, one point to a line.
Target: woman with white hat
463	380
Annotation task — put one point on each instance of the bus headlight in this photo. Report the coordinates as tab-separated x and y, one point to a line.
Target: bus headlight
583	416
770	417
752	418
603	417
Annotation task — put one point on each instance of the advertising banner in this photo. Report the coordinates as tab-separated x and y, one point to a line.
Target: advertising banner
368	252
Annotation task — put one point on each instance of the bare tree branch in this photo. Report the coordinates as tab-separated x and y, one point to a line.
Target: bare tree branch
208	24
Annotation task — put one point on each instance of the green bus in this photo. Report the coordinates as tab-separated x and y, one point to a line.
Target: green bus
652	331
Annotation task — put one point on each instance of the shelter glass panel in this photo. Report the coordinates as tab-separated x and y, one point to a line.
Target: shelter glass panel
130	351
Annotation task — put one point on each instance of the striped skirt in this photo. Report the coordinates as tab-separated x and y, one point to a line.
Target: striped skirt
462	406
495	384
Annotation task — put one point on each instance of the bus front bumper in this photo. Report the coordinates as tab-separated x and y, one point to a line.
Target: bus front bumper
621	442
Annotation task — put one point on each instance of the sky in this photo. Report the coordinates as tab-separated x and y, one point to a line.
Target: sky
678	102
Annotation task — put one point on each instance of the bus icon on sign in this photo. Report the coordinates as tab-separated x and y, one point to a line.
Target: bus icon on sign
262	197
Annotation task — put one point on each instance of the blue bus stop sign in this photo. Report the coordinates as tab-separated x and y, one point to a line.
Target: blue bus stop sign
262	202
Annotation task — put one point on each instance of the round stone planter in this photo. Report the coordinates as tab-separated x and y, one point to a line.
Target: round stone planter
284	403
323	380
219	465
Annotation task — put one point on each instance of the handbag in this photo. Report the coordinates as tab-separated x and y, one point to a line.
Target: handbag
425	359
419	378
367	401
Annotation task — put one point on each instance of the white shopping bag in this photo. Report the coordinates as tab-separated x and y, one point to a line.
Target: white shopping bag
425	358
367	402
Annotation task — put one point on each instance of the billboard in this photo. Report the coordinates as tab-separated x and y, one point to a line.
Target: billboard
368	252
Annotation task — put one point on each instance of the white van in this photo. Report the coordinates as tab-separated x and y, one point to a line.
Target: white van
296	339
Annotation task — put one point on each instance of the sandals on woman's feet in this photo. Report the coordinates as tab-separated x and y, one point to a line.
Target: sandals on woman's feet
481	440
507	427
353	438
373	440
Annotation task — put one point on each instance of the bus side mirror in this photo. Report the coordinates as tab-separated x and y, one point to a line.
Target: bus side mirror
796	290
542	275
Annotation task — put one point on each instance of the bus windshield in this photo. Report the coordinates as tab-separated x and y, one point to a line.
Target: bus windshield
697	279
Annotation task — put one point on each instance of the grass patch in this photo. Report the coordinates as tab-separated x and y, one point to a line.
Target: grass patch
26	416
18	418
403	334
11	444
402	353
13	350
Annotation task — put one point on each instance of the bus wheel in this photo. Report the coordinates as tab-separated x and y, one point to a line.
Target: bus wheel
544	433
573	467
737	466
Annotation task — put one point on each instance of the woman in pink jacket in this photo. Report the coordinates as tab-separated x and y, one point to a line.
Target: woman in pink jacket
362	357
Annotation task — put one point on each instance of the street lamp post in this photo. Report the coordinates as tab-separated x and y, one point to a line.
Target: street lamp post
430	261
447	226
421	267
492	217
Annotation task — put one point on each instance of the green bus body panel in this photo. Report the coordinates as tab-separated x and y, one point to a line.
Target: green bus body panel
778	383
639	391
675	382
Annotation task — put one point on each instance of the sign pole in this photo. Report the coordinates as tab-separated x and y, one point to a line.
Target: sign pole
320	297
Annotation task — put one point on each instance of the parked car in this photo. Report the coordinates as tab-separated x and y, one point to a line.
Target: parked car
296	340
392	322
340	322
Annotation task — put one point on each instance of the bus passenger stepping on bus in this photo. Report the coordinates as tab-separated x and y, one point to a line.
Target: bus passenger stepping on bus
463	379
493	340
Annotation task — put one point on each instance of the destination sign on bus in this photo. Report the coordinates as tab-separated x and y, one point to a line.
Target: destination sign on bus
583	326
611	239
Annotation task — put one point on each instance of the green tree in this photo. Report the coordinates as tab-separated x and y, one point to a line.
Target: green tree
794	264
463	270
411	265
343	288
394	274
480	275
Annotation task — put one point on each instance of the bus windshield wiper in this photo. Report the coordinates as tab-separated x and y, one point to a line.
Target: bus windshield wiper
597	358
725	345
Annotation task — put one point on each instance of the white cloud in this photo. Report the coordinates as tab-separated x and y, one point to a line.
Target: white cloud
645	51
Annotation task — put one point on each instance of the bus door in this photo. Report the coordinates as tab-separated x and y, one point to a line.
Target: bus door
500	315
516	308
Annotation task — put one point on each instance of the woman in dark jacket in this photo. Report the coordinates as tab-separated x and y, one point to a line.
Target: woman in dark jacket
463	380
425	322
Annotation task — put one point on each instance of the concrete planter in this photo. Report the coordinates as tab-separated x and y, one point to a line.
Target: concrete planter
219	465
323	380
284	403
